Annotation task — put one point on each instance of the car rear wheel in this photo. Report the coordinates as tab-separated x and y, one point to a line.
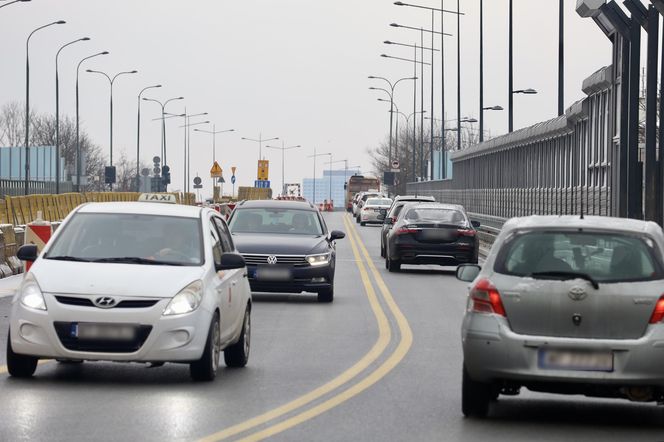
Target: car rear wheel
20	366
392	265
475	396
205	369
326	295
357	219
362	223
237	355
382	250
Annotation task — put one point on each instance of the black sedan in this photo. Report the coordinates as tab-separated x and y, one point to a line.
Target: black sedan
287	247
431	233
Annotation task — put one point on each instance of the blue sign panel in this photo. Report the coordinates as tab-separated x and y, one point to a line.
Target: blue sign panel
262	184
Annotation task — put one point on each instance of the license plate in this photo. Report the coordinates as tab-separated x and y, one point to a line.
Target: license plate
575	360
437	235
273	274
116	332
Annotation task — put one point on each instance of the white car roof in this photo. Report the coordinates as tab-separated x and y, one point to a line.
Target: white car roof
140	208
433	205
587	222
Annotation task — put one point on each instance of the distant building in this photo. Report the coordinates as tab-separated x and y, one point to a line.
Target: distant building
339	177
42	163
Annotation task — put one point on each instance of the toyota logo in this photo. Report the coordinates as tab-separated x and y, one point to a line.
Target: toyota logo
271	259
105	302
577	293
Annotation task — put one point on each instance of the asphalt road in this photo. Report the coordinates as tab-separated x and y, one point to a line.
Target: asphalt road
383	362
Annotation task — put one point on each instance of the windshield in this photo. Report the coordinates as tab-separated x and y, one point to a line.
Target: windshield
129	238
287	221
419	215
605	257
379	202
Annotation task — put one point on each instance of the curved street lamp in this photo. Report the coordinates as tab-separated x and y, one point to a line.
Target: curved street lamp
163	123
57	113
27	101
138	137
283	149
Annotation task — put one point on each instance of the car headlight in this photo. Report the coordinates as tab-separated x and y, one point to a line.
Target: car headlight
319	260
186	301
31	294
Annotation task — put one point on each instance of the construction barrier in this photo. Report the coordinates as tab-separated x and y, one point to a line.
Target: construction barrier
9	248
19	210
37	232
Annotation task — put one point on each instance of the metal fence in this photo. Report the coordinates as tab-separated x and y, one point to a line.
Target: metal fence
560	166
17	187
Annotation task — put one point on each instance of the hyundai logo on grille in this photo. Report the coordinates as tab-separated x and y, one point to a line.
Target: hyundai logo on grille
105	302
272	259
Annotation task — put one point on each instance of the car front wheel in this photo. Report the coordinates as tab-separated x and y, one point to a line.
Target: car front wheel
205	369
475	396
237	355
326	295
19	366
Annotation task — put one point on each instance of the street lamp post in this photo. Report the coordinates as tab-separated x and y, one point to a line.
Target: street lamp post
187	145
138	137
27	101
163	123
57	113
214	133
528	91
111	81
78	144
260	142
12	2
314	180
283	149
494	108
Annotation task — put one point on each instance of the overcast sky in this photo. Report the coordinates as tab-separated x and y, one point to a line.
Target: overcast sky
294	69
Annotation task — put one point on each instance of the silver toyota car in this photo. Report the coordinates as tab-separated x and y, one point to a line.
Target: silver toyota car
566	305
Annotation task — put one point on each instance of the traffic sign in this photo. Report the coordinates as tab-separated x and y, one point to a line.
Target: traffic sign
197	181
216	171
198	186
221	180
395	164
233	178
262	184
263	170
233	169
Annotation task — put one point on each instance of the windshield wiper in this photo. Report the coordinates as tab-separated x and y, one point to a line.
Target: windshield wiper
564	275
67	258
137	260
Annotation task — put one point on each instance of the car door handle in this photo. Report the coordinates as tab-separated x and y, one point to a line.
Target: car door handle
245	275
234	283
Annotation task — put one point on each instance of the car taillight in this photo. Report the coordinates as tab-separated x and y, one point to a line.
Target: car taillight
658	313
406	230
466	232
486	298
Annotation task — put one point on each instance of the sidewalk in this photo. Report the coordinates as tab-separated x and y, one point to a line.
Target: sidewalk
9	285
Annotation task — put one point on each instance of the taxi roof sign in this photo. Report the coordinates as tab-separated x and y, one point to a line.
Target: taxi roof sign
167	198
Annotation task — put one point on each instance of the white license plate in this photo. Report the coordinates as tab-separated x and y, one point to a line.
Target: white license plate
575	360
273	274
117	332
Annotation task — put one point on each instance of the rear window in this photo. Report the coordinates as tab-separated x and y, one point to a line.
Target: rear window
607	257
436	215
379	202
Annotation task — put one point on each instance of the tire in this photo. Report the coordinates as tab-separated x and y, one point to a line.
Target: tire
237	355
362	223
205	369
475	396
357	220
382	250
393	265
326	296
20	366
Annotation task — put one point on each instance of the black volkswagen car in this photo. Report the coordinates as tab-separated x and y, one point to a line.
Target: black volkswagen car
287	247
431	233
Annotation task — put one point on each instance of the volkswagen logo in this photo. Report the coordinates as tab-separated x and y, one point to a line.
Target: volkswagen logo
577	294
271	259
105	302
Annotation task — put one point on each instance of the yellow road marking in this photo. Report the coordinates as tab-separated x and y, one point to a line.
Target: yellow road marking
391	362
384	337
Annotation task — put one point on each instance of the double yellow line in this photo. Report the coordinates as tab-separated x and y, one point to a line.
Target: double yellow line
342	381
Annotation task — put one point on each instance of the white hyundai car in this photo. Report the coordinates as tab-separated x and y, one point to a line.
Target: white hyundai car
133	282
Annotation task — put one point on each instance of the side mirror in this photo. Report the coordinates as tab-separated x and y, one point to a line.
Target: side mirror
467	272
230	261
381	216
388	221
475	224
337	234
27	252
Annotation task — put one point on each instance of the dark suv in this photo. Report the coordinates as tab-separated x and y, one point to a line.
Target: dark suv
287	247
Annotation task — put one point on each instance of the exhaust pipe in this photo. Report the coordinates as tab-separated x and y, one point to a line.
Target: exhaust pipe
638	394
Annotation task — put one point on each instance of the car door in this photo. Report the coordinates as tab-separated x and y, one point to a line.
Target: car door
221	282
238	292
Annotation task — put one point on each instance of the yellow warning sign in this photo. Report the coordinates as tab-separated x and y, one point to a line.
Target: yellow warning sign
263	170
216	171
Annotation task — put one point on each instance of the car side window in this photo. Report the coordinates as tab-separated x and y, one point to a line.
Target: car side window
397	210
216	243
225	236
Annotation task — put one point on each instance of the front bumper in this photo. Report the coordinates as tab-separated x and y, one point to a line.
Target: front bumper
492	351
162	338
304	279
